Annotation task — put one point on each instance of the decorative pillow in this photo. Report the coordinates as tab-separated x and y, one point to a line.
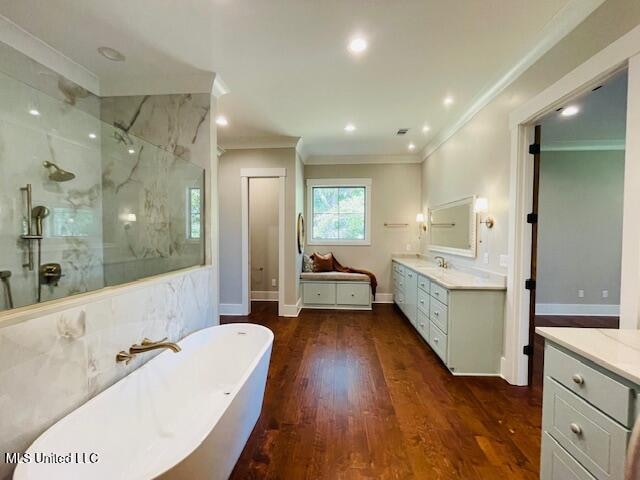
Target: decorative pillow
322	263
307	264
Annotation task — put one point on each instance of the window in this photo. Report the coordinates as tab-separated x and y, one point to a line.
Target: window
339	210
194	213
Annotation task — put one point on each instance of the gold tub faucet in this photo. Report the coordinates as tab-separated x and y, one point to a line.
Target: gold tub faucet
146	345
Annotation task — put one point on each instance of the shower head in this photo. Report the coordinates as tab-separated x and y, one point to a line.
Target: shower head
58	174
38	214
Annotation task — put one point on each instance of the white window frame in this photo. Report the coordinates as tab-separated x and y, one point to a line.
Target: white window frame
188	222
340	182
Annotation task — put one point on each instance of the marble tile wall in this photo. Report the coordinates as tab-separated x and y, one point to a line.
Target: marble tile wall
150	152
58	132
53	363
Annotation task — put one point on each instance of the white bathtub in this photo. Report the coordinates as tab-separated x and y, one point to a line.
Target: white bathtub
183	415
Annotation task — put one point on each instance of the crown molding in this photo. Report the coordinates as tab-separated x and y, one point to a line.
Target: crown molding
43	53
220	150
245	143
361	159
583	145
219	88
563	22
201	82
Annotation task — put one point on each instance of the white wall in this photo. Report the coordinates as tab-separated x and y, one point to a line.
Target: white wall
580	228
263	221
395	198
476	159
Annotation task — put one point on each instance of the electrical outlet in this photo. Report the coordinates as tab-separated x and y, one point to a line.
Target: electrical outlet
605	293
485	258
274	282
504	260
580	293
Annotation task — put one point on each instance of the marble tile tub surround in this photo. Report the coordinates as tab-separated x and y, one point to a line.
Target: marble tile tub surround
52	363
455	276
614	350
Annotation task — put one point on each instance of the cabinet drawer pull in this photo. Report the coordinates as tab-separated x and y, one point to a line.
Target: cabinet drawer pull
421	301
437	314
437	294
353	294
436	339
576	429
578	379
318	293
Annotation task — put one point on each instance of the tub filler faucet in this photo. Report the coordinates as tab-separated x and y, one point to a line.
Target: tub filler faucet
146	345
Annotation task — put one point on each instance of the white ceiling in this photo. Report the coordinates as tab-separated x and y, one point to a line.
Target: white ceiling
599	123
287	66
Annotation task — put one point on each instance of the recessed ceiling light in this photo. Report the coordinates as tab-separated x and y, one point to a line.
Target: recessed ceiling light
426	128
448	100
92	136
350	127
34	112
412	147
111	54
222	121
357	45
569	111
131	151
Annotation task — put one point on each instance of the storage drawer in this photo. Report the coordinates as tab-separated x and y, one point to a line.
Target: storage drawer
398	297
399	283
397	268
602	391
438	341
410	276
438	315
424	283
320	293
439	293
422	324
423	302
353	293
557	464
596	441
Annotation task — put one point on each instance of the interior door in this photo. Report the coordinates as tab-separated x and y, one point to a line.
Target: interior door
532	218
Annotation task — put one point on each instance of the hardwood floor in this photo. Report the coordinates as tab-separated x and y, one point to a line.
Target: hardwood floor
360	395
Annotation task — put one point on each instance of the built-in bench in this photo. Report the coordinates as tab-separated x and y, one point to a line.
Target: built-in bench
347	291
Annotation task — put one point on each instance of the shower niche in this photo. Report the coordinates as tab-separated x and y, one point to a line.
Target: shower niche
88	197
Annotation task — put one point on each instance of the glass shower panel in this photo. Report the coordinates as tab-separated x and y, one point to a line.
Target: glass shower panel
147	209
109	207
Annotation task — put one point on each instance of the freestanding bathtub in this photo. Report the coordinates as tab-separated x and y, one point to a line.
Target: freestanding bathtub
183	415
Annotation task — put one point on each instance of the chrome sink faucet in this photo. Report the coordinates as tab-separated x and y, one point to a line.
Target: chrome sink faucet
442	263
146	346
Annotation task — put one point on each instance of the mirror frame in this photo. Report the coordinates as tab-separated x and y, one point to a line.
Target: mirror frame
473	229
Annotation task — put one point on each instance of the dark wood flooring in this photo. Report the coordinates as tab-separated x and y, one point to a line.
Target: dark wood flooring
360	395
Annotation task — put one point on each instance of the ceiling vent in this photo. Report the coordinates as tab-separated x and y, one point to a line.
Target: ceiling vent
402	131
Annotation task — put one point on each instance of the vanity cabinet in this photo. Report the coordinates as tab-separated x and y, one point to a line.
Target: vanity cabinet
462	325
587	416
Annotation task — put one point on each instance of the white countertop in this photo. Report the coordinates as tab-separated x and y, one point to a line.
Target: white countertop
452	279
615	350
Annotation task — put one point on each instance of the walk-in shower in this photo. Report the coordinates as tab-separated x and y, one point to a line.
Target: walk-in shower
80	209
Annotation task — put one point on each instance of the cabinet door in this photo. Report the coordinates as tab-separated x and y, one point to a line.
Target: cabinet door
411	295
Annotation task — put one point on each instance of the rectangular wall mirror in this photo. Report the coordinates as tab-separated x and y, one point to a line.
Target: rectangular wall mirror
452	228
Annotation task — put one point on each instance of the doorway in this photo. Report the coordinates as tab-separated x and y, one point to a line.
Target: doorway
578	156
263	239
251	177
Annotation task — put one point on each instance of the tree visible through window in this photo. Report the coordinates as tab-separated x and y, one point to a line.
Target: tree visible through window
194	213
339	213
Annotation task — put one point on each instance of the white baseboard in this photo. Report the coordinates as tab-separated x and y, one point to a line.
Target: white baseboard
293	310
383	298
577	309
264	296
231	309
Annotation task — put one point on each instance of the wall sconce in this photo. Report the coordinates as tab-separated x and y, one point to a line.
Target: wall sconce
421	227
482	206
